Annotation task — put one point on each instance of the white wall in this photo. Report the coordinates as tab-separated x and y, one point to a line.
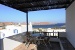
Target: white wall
62	34
9	31
13	27
10	44
24	28
70	23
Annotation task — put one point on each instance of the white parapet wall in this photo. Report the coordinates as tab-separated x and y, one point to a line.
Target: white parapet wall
10	44
70	23
62	32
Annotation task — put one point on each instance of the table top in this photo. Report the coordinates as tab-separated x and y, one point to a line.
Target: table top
37	34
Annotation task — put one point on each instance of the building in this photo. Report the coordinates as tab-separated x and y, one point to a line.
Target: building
14	29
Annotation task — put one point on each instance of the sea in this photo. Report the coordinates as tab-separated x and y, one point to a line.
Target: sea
58	25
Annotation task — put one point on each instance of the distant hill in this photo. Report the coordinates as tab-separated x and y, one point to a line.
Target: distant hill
6	23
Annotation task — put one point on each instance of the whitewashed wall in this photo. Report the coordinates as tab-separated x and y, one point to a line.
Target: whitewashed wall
61	32
9	31
70	23
10	44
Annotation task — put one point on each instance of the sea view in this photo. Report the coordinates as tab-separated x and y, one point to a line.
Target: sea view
59	25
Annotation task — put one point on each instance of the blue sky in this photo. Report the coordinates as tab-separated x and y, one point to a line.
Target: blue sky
8	14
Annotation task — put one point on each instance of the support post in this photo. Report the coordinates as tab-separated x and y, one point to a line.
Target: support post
58	34
27	20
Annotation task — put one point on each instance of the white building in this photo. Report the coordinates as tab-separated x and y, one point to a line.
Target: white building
14	29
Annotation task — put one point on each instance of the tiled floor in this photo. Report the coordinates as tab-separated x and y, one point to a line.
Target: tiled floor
53	46
23	47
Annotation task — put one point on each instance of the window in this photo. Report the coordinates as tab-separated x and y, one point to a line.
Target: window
15	31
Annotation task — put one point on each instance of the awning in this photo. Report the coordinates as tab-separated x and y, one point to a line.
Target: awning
35	5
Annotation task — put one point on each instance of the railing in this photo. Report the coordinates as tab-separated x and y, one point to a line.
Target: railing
51	34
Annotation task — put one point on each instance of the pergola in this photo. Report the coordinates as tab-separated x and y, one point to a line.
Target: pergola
35	5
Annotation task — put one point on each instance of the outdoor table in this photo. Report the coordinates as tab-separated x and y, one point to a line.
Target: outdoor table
37	35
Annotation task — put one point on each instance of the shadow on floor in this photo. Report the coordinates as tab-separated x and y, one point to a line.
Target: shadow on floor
53	46
66	44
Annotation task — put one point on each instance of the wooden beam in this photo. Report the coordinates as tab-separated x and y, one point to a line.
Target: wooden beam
43	8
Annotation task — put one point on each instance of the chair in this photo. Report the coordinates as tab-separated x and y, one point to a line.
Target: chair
47	38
